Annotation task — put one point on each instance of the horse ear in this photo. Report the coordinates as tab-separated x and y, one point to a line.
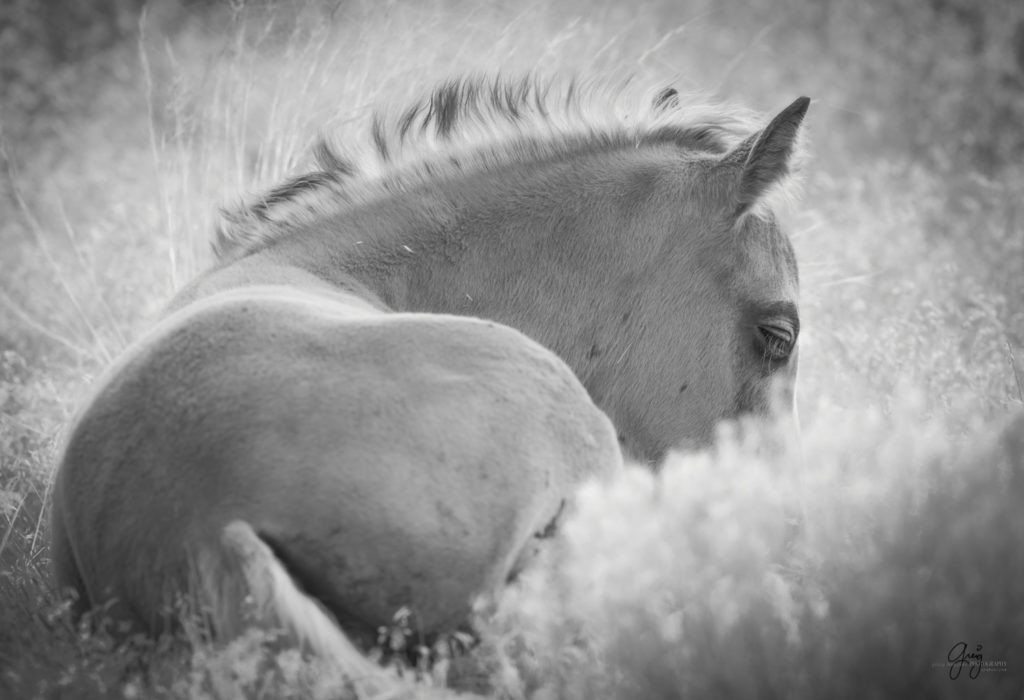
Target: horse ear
764	157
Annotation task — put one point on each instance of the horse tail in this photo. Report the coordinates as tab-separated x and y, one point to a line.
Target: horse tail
277	599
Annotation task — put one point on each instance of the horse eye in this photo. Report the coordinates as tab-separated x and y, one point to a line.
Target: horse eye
776	341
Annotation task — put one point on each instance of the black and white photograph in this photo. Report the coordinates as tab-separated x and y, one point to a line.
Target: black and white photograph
511	349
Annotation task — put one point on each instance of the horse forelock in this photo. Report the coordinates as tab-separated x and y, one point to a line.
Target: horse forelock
480	123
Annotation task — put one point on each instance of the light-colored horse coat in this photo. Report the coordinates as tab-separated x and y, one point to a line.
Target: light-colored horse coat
325	406
423	450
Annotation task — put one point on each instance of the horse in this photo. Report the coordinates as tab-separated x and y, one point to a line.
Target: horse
386	390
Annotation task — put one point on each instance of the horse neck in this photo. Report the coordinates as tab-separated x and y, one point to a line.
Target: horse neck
531	264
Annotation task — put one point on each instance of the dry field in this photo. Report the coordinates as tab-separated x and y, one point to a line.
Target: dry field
123	132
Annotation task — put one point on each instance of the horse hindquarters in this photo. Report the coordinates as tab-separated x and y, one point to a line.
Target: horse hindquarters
387	460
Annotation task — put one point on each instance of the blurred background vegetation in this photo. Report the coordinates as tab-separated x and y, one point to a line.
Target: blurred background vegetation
942	80
124	125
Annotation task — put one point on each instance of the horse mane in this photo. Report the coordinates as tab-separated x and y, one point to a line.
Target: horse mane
473	124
